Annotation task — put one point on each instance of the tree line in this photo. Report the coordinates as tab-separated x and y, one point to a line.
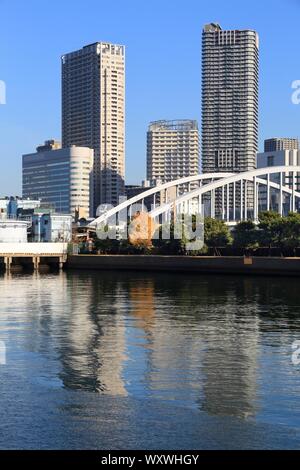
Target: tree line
272	235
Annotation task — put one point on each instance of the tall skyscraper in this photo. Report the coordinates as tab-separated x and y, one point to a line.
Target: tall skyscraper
93	113
172	150
229	99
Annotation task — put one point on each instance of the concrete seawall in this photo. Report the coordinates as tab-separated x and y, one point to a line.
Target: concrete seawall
192	264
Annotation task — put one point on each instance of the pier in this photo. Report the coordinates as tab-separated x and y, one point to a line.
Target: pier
32	255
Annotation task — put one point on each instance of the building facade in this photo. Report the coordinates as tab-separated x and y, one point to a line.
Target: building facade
60	177
93	114
229	99
172	150
282	158
13	231
278	158
281	143
17	208
132	190
49	227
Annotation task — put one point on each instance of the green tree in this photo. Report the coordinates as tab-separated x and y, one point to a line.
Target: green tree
107	246
246	236
171	245
270	228
216	234
290	238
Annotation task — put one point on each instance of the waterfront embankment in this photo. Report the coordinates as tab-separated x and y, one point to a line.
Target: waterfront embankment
193	264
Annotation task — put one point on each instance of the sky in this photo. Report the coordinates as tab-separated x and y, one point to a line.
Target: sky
163	66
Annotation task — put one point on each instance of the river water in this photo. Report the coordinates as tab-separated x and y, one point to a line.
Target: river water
106	360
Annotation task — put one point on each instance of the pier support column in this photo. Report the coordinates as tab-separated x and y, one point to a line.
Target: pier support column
36	262
7	262
61	262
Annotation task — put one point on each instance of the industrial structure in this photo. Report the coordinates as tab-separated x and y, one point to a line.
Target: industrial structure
13	231
17	208
48	227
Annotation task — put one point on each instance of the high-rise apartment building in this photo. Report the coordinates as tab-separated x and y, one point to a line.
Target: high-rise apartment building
229	99
93	113
281	143
60	177
172	150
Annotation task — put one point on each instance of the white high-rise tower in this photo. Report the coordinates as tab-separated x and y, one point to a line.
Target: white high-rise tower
93	113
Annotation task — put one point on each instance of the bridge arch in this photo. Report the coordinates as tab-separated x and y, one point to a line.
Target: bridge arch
237	196
200	179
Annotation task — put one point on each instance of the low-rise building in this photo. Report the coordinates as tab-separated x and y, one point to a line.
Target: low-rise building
13	231
60	177
17	208
49	227
278	158
275	158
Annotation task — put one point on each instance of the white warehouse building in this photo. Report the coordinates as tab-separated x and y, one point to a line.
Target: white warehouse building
13	231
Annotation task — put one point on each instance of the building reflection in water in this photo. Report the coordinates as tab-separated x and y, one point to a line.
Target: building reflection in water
93	353
230	361
163	337
77	321
193	340
142	303
201	352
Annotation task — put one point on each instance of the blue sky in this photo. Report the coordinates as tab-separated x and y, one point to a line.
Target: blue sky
163	66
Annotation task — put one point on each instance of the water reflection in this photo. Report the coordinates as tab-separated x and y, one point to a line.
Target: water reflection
209	343
142	303
92	353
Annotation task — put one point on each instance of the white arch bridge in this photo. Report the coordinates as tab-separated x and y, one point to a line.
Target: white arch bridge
231	197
